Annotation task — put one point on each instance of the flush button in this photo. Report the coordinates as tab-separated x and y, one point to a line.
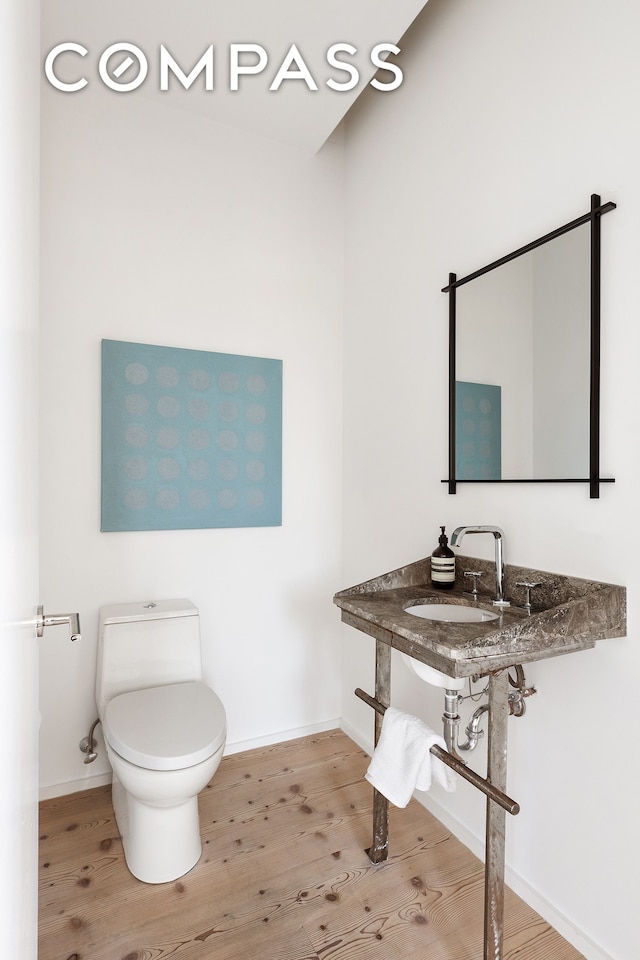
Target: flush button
149	606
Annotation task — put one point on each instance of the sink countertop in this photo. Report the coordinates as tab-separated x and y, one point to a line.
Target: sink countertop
567	614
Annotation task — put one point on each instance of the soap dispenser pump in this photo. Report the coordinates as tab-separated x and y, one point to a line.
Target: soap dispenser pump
443	565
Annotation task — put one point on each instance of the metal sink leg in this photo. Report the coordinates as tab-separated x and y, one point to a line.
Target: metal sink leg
496	816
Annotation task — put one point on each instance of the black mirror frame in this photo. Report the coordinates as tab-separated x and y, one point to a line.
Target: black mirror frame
594	479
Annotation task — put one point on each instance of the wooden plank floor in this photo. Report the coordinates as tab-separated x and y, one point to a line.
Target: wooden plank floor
283	875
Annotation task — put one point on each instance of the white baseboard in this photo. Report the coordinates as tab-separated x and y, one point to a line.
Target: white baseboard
363	742
73	786
281	737
561	923
99	780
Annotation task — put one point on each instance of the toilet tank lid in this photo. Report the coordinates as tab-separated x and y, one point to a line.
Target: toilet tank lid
147	610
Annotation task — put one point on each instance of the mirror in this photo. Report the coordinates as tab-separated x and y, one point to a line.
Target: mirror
524	364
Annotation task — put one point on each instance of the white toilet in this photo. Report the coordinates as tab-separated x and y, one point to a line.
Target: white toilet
164	731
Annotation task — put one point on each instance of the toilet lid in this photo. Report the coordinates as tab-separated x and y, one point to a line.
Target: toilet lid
166	728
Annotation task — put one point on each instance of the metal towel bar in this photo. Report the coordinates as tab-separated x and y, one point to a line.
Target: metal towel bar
511	806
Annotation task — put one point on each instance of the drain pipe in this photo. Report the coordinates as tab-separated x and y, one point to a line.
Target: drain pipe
451	722
472	731
88	745
517	708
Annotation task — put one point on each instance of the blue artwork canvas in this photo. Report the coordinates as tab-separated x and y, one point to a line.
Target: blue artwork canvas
478	431
190	439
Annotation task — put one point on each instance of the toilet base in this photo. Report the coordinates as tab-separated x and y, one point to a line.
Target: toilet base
160	843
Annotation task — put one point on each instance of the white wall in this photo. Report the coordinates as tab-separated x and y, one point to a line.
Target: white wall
163	228
19	215
510	116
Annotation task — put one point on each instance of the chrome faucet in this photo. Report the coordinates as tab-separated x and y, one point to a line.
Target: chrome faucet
456	538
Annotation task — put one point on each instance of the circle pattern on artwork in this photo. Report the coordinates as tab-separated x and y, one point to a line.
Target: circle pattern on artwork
136	435
136	405
227	470
168	468
199	439
136	498
227	440
167	438
228	411
256	470
255	441
168	377
199	499
228	382
256	413
199	470
168	407
135	468
199	380
255	498
227	499
199	408
256	384
136	373
168	498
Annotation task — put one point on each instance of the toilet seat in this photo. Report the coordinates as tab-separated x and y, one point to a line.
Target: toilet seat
166	728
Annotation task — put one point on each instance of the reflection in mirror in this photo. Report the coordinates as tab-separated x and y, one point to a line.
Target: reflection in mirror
522	366
524	362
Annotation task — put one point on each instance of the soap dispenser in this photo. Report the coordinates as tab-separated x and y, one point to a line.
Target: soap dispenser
443	565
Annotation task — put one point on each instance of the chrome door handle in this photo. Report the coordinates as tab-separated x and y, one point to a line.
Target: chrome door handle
72	619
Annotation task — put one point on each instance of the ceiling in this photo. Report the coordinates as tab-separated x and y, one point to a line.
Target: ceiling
294	113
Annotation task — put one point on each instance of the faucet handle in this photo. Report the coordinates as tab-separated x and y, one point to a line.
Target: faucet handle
528	585
476	574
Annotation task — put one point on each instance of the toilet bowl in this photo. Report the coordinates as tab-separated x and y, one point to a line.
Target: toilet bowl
164	745
164	740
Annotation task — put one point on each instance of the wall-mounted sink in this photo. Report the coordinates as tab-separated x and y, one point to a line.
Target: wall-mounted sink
565	614
451	612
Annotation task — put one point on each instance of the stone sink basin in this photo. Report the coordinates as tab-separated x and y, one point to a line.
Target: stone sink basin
451	612
430	675
567	614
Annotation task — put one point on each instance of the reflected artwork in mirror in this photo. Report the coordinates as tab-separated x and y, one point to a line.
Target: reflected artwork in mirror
524	362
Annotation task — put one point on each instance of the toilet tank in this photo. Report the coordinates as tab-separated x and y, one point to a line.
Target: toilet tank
146	644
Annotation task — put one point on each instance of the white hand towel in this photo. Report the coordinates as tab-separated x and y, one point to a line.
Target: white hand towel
402	762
